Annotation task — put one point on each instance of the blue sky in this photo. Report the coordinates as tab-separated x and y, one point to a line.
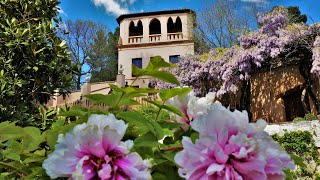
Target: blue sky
106	11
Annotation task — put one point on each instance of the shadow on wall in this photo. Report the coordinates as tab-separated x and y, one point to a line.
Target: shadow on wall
276	96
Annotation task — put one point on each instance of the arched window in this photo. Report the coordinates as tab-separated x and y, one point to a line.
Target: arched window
174	27
170	25
136	30
178	25
154	27
131	29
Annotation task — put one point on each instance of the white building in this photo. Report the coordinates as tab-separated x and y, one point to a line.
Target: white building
148	34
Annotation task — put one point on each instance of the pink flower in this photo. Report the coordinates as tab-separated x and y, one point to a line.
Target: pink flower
231	148
191	106
94	150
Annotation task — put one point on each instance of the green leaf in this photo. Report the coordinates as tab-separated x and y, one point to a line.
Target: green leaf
32	139
194	136
110	100
58	123
158	62
158	129
298	160
167	107
74	111
138	121
9	131
169	155
131	89
34	159
288	173
164	76
115	87
146	140
35	68
153	70
166	94
12	156
62	43
13	150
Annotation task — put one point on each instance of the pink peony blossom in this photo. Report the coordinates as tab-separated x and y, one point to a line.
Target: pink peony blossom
191	106
231	148
94	150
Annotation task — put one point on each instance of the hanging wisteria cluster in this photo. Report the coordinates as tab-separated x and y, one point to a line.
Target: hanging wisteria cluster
222	70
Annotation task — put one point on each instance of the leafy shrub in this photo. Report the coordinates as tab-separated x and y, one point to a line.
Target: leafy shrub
302	144
33	60
310	117
307	117
298	119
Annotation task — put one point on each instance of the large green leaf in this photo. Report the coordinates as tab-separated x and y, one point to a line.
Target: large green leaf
164	76
32	139
9	131
154	70
167	107
169	93
158	62
74	111
146	140
111	100
137	120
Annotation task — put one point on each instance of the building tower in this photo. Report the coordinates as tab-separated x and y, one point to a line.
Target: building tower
168	34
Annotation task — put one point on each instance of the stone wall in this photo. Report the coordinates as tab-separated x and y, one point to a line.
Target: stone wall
311	126
267	90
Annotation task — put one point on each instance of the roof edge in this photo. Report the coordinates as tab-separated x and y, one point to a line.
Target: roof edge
123	16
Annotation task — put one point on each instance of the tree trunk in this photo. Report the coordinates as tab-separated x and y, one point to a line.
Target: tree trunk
305	72
78	82
245	98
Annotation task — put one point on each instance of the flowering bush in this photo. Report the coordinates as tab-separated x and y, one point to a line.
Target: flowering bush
225	70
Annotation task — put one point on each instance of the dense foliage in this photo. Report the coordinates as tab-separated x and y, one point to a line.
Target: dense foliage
109	51
276	42
302	144
33	60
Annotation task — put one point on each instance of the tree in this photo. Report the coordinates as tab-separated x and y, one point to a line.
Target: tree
221	22
294	15
80	39
33	60
109	69
98	55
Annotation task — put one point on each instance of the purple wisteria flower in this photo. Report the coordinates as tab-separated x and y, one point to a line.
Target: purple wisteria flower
231	148
94	150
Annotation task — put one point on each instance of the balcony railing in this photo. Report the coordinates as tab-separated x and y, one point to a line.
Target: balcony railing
154	38
135	39
174	36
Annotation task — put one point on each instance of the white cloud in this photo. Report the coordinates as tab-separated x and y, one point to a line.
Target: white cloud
111	6
115	7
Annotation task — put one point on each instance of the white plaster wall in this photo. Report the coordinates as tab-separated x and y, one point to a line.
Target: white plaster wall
126	55
312	126
186	21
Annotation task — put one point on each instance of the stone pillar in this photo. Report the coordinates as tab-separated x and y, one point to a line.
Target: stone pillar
145	24
121	81
164	33
55	98
86	88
